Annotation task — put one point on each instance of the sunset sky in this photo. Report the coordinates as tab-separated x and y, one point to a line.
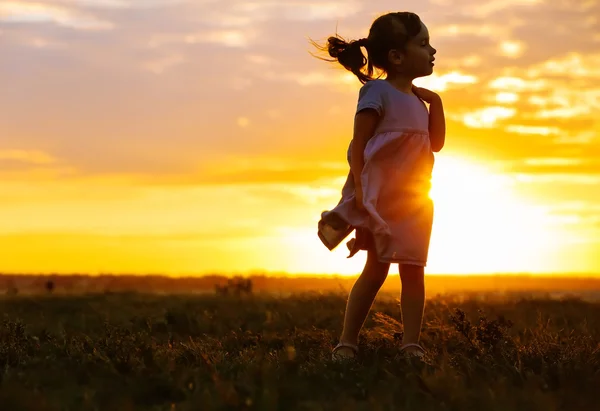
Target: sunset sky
195	136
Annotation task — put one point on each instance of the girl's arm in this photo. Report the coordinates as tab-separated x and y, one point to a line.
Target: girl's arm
437	124
437	120
365	123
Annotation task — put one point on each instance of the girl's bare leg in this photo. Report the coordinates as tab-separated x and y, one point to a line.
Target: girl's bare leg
361	299
412	303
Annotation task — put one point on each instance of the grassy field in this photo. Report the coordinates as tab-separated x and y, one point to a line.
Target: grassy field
129	351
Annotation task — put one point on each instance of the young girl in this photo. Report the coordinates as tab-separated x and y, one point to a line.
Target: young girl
386	196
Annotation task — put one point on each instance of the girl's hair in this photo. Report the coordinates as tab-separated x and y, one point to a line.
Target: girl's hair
388	32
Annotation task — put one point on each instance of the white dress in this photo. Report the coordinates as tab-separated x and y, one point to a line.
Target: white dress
396	180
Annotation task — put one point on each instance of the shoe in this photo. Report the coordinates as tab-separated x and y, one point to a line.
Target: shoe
335	356
420	353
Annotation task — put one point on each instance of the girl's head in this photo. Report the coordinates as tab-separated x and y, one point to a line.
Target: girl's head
398	44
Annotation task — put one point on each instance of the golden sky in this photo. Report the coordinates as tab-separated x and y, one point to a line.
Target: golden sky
193	136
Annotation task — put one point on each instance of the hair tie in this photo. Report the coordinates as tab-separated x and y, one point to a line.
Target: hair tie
363	42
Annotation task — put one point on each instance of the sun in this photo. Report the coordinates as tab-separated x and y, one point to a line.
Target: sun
482	226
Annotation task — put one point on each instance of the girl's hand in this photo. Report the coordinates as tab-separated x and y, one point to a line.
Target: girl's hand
426	95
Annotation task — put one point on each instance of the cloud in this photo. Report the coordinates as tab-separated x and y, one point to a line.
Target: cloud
243	122
443	82
225	37
565	101
29	12
541	130
275	170
298	10
550	176
18	171
229	38
512	49
483	10
110	4
315	78
506	97
491	7
123	4
161	65
487	117
549	161
564	112
570	65
458	30
27	156
512	83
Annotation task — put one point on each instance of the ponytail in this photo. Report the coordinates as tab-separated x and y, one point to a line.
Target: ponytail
349	55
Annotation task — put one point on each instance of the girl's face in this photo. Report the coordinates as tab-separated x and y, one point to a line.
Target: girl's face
417	58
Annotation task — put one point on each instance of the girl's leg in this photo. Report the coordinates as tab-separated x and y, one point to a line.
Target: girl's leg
412	302
361	299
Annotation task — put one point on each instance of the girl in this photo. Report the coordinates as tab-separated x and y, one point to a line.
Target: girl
386	196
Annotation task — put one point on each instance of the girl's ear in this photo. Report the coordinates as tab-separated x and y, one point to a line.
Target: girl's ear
395	57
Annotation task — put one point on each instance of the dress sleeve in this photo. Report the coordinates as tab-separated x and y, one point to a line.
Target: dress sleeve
370	97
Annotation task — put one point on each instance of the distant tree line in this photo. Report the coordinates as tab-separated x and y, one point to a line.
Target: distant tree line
235	286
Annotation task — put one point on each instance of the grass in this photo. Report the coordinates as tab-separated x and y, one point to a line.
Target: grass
146	352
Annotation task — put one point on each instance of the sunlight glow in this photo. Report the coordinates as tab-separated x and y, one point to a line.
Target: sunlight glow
481	225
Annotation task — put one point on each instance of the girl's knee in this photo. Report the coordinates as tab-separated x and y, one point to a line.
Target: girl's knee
375	269
375	275
412	275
